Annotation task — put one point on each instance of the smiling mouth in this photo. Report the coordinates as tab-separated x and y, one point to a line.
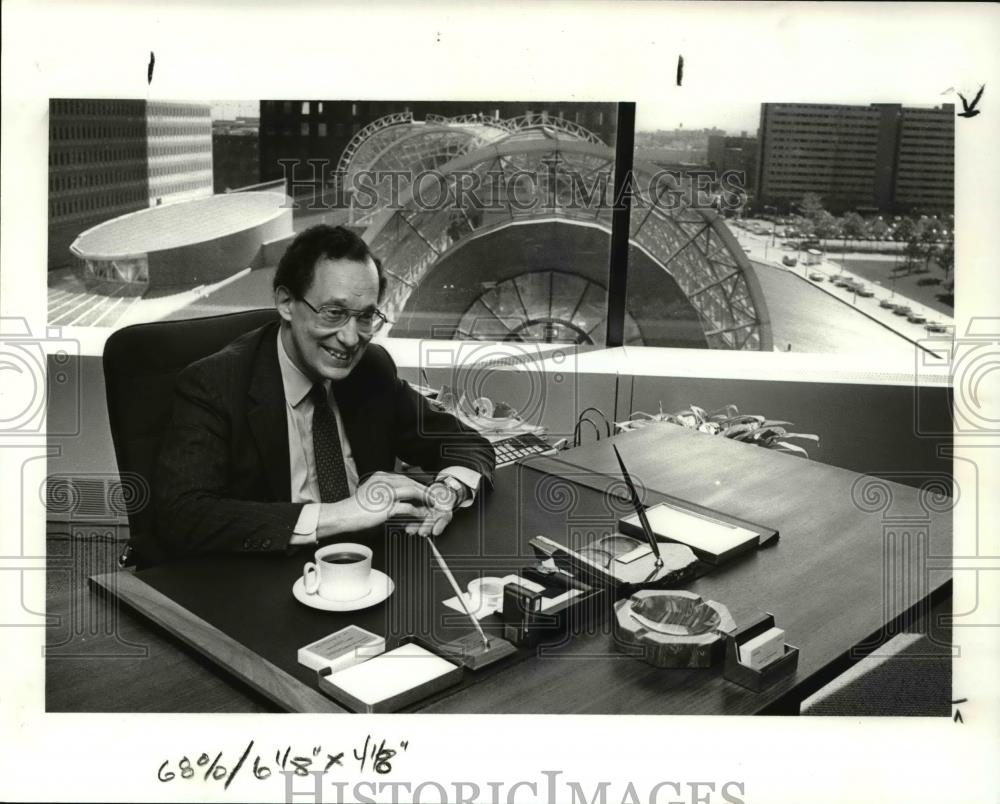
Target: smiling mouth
336	354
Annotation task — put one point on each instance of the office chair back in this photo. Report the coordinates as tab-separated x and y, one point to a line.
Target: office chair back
141	363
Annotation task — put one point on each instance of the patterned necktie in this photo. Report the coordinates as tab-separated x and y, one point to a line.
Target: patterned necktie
330	472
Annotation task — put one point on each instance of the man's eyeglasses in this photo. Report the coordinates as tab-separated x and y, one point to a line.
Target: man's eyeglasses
368	321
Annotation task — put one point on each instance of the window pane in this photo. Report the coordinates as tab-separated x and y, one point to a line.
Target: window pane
776	232
505	236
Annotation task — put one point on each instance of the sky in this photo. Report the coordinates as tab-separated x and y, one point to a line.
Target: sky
230	110
733	117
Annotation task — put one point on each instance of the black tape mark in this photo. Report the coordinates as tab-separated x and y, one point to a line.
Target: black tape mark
149	70
680	70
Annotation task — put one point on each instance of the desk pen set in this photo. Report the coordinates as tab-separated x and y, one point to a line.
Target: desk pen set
654	619
356	669
651	618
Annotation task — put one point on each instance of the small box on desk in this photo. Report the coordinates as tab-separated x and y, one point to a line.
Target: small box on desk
529	616
756	680
349	646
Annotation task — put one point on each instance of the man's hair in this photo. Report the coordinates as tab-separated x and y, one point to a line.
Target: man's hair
297	267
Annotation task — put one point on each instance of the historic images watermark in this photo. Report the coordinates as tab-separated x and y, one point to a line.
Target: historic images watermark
517	189
550	789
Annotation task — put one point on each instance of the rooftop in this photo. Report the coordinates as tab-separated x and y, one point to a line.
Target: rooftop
180	224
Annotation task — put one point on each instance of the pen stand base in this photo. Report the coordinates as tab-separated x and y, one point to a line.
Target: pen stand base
757	680
623	571
679	564
473	654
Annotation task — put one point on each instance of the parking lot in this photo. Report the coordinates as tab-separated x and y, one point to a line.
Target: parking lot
877	301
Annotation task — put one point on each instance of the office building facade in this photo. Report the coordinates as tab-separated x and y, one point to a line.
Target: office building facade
180	151
925	159
97	167
880	157
235	153
734	154
110	157
301	130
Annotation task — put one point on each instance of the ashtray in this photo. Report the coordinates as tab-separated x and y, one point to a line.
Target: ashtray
673	628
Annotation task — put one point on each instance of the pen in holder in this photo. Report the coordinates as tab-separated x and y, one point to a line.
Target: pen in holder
757	679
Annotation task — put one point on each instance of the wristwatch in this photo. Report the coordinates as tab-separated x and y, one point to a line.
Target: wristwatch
456	486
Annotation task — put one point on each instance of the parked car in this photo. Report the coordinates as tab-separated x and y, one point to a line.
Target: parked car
935	326
916	318
789	260
841	281
902	309
864	292
817	276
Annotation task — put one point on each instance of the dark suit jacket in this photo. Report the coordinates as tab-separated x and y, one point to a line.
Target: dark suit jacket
223	480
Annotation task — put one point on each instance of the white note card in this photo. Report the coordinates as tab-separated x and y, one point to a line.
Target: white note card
698	532
397	671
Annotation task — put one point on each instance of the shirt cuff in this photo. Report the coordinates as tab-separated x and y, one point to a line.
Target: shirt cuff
467	477
304	531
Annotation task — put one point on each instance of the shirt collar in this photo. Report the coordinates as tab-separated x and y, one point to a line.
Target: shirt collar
296	384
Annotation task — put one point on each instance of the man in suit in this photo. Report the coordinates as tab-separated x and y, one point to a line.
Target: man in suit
289	435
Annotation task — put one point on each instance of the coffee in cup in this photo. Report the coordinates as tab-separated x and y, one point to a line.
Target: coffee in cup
343	558
341	572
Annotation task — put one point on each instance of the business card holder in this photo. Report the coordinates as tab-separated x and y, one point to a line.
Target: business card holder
757	680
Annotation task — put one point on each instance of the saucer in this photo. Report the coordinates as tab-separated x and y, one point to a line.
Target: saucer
382	586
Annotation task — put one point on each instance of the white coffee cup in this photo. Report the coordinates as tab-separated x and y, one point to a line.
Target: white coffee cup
340	572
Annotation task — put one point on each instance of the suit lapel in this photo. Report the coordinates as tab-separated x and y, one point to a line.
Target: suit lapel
267	416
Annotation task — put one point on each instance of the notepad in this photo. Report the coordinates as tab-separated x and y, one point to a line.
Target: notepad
390	674
711	539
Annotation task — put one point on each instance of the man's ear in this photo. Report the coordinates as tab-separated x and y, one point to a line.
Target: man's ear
283	303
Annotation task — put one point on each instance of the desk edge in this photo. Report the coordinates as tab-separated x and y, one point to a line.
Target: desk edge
254	670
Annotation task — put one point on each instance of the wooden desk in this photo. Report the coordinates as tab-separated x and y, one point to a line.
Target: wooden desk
857	559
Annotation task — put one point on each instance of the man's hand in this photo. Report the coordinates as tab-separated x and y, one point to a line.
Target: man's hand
444	500
381	496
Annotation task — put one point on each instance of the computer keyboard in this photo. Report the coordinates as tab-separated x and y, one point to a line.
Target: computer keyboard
513	448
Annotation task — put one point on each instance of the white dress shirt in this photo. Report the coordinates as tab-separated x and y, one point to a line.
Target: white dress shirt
302	464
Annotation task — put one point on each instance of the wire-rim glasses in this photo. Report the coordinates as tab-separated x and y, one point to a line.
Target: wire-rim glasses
368	321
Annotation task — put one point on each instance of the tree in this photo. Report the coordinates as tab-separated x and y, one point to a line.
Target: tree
946	259
811	206
852	227
825	225
929	231
877	228
905	230
914	252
